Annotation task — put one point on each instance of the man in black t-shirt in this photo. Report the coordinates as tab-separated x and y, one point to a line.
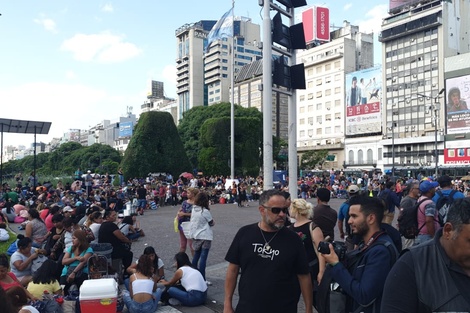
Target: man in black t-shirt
110	233
323	215
272	260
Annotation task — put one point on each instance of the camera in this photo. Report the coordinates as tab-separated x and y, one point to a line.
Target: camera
338	246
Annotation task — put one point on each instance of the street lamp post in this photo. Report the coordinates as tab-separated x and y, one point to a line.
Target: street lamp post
392	128
434	111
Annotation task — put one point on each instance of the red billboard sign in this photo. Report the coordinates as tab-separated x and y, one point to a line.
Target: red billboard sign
323	23
457	156
316	23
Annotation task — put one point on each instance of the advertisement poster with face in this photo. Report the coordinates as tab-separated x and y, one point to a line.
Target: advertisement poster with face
363	100
458	97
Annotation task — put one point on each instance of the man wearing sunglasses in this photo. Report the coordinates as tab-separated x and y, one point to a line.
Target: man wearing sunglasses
272	260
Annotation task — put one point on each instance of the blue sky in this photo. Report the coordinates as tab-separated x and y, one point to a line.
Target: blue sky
76	63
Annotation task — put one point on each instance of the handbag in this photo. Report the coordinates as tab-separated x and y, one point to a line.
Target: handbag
71	269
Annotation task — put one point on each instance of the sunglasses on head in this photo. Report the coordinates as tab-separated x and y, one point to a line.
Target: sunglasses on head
276	210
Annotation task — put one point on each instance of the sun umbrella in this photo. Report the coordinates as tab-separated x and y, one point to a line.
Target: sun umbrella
186	175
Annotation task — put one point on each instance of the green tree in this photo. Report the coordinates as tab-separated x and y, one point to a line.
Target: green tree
214	156
155	147
313	157
189	126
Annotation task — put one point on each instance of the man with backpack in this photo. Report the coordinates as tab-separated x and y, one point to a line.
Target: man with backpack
360	278
445	197
391	200
428	220
407	204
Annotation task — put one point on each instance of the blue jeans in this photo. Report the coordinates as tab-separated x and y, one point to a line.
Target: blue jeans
188	298
201	257
142	203
145	307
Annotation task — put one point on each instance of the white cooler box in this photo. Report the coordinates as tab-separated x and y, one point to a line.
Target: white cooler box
99	295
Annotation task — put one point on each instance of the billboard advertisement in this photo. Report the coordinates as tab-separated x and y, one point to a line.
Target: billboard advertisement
316	23
457	107
125	129
457	156
363	101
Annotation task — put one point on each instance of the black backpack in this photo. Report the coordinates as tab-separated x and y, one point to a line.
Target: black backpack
443	204
383	195
408	221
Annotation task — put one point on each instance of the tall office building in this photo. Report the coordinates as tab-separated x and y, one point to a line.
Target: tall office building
416	39
218	60
321	106
191	42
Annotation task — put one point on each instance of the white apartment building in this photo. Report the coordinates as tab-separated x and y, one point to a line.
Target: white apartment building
416	39
321	106
218	59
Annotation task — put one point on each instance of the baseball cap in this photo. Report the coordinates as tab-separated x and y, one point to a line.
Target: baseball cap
427	185
67	209
353	189
323	194
120	215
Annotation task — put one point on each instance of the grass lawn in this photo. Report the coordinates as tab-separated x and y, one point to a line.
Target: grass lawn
4	245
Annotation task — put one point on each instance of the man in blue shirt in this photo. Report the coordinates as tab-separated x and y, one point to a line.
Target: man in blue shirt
445	182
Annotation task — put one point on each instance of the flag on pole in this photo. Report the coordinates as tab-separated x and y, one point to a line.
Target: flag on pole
223	28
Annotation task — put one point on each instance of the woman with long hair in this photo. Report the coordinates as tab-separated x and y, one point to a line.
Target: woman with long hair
184	215
44	280
94	223
194	288
22	260
75	260
311	236
157	263
201	231
143	294
36	229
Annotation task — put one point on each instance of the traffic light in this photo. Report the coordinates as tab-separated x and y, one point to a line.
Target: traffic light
289	37
293	3
292	77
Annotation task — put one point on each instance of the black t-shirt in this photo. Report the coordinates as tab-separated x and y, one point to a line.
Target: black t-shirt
268	280
106	234
141	193
325	218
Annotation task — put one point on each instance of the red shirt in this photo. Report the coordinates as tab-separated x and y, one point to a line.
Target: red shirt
15	282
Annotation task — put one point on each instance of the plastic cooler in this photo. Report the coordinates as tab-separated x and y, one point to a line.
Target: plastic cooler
98	295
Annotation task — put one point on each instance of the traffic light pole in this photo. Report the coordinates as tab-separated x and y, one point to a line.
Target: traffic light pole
267	100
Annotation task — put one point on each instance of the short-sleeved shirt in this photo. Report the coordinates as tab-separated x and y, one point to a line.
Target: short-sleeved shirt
38	289
268	281
17	256
325	217
15	282
106	234
76	262
427	208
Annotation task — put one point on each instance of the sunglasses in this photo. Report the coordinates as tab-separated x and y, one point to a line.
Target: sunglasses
276	210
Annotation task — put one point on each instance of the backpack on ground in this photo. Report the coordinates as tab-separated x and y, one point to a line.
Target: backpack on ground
443	204
408	221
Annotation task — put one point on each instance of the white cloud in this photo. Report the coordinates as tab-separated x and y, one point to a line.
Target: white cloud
70	75
347	6
47	23
103	48
108	8
169	78
373	19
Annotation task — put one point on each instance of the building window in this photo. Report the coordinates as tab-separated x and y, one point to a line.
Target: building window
310	132
302	98
327	67
310	72
310	120
310	108
337	103
310	96
338	116
327	79
319	131
319	119
337	64
370	156
302	121
318	69
328	92
337	90
337	77
328	117
337	129
302	133
310	84
360	157
327	130
319	82
319	106
319	94
351	157
379	154
302	109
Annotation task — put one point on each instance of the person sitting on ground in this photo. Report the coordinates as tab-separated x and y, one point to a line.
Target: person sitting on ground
7	306
22	260
75	260
158	266
195	288
55	232
19	300
36	229
127	228
94	223
143	294
44	280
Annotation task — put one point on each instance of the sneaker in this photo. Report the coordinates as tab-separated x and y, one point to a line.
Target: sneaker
174	301
208	283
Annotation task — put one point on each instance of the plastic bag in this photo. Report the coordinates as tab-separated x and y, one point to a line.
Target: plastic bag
175	224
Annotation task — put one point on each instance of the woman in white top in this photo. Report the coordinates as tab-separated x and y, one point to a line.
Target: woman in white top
94	223
201	231
22	259
195	288
143	294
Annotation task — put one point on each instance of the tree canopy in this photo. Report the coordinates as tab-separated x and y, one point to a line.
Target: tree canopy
313	157
190	126
155	146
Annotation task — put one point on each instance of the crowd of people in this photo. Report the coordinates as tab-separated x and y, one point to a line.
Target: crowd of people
291	251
